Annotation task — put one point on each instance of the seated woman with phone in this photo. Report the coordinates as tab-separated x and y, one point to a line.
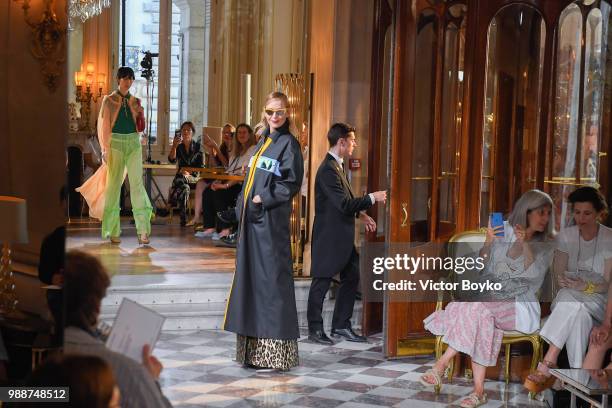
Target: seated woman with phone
582	267
519	262
187	152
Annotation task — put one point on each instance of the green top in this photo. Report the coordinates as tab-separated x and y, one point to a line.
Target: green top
125	122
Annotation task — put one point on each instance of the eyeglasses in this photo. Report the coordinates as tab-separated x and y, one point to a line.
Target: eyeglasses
278	112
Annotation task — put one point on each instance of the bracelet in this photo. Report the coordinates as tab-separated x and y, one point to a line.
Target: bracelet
590	288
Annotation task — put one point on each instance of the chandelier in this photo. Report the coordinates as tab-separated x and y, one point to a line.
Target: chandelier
86	9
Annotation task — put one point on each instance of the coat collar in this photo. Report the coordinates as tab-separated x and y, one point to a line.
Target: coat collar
276	134
116	97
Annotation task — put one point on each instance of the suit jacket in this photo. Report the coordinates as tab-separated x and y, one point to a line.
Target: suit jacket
336	208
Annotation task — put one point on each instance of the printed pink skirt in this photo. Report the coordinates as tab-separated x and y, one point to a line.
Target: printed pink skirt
474	328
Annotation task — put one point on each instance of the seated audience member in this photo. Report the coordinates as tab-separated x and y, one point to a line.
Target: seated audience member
223	193
89	378
218	157
187	152
86	281
519	263
583	271
600	339
51	266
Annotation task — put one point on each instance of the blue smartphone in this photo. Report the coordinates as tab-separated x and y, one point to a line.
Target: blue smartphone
497	221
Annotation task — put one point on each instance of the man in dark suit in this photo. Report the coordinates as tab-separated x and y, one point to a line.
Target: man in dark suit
333	248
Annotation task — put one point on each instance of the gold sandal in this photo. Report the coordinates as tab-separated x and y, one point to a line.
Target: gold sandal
143	239
473	401
437	377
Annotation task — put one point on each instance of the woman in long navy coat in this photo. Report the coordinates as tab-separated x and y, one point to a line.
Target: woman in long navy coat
261	307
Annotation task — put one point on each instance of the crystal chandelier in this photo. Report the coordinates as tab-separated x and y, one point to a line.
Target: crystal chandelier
86	9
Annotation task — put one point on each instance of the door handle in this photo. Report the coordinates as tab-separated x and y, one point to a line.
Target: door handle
405	213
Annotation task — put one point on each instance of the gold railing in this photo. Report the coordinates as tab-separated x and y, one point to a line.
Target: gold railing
294	86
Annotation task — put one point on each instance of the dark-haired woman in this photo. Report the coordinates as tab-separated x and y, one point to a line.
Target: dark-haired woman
121	153
261	306
187	152
582	266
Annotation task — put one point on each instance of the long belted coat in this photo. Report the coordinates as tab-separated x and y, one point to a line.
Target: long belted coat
262	297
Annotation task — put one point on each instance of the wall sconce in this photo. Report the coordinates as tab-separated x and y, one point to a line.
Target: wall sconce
84	97
48	42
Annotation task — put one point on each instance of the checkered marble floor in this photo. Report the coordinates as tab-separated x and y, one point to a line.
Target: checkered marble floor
199	371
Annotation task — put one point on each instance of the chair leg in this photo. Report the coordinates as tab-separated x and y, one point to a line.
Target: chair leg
451	370
537	350
536	343
438	347
507	371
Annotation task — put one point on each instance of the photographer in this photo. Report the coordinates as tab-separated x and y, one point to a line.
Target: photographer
188	154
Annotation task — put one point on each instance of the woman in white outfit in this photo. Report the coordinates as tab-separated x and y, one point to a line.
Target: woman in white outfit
582	265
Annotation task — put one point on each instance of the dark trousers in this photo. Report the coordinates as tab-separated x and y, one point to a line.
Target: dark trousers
179	194
213	201
345	299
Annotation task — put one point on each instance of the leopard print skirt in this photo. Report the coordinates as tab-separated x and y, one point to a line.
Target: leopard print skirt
267	353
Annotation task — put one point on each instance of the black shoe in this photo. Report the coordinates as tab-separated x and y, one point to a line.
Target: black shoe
227	242
349	334
319	336
228	216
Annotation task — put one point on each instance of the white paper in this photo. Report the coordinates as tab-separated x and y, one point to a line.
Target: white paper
134	326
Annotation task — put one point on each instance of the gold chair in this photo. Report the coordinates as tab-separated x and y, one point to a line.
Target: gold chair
474	240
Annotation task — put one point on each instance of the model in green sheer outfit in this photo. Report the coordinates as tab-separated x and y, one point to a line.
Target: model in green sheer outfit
122	152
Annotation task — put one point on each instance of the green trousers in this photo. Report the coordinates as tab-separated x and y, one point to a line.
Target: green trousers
125	152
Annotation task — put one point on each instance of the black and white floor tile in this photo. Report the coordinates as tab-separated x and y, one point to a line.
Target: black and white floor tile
200	371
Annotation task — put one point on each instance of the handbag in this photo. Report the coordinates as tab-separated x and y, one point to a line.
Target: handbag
140	119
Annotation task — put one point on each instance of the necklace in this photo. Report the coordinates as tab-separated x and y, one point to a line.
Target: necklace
124	101
580	249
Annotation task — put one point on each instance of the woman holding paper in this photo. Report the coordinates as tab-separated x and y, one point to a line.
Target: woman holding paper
86	283
261	306
582	265
519	261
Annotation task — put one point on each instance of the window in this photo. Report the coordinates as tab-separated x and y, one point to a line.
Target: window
141	33
579	102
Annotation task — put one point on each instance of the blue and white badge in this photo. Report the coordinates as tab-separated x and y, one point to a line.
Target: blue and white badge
267	164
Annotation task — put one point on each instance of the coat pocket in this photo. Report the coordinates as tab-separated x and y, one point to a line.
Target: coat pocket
255	212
